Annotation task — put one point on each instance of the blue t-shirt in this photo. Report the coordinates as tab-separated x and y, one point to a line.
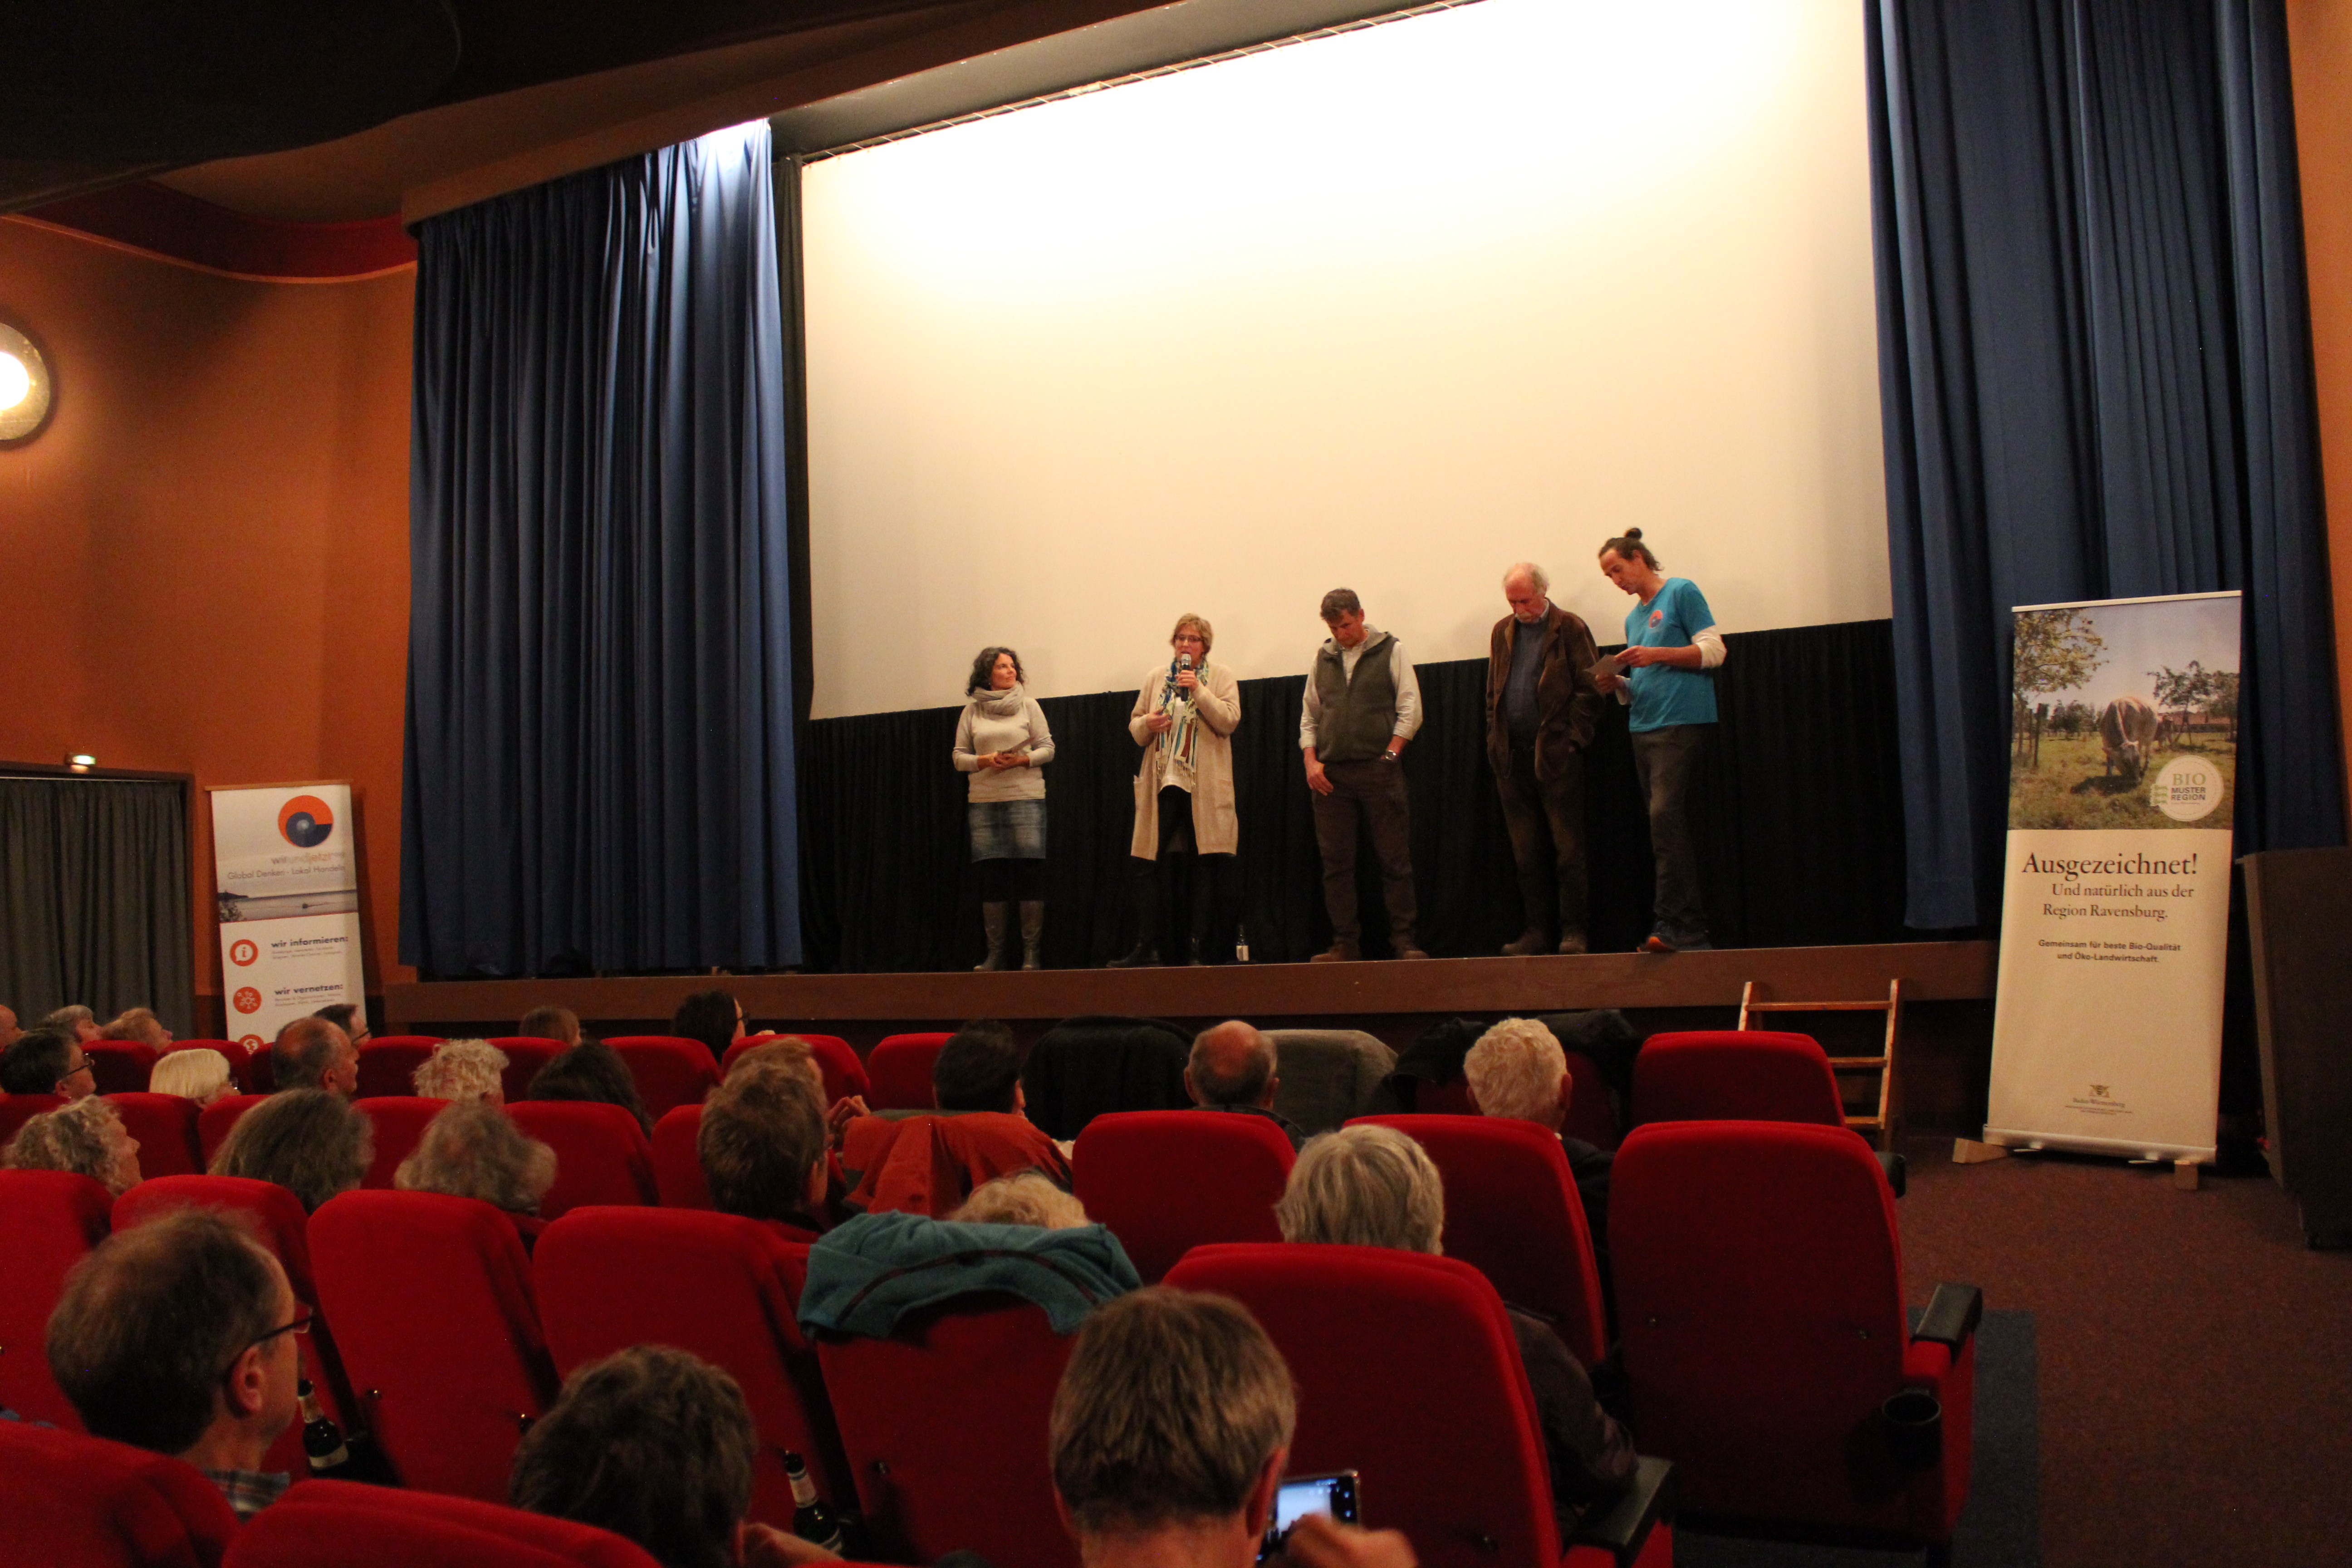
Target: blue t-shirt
1663	694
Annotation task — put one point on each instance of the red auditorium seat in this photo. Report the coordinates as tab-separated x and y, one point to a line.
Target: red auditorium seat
341	1524
1417	1385
89	1503
1755	1075
49	1220
276	1218
1512	1212
121	1067
399	1122
526	1054
899	1072
677	1162
908	1408
600	1153
721	1286
213	1120
1166	1181
845	1075
165	1126
388	1064
434	1315
16	1109
670	1069
1759	1283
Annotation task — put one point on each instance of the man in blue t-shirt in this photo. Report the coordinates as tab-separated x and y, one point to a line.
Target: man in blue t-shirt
1670	642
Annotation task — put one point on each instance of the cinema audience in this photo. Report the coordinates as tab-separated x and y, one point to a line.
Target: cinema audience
466	1070
714	1017
654	1445
1518	1069
1373	1187
559	1023
474	1149
591	1071
312	1053
198	1073
1231	1068
9	1029
77	1021
178	1336
311	1141
86	1137
1168	1440
346	1016
1022	1197
139	1025
763	1144
46	1061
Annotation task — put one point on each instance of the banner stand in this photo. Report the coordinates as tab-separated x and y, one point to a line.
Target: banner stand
286	881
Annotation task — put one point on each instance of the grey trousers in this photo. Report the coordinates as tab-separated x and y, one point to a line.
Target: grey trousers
1663	760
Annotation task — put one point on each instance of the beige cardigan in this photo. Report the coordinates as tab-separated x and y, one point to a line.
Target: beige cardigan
1216	828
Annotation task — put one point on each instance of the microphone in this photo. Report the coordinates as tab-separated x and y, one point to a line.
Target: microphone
1183	662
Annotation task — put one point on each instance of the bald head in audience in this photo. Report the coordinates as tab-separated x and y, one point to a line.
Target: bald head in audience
8	1030
1231	1064
312	1053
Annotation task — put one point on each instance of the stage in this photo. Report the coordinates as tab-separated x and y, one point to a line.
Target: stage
1948	988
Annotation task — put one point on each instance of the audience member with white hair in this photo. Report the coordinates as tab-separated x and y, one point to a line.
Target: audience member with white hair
198	1073
1373	1187
1231	1068
475	1151
86	1137
464	1070
311	1141
1518	1069
1022	1197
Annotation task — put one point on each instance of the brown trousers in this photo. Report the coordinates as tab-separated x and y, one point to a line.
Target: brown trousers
1545	819
1375	792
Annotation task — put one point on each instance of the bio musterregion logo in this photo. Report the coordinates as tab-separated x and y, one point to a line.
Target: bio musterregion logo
305	822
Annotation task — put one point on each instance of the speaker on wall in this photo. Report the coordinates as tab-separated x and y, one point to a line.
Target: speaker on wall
2299	908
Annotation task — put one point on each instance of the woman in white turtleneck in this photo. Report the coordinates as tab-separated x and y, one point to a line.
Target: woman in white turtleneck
1002	742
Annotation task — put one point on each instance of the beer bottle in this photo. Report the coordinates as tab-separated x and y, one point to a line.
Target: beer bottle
812	1521
322	1440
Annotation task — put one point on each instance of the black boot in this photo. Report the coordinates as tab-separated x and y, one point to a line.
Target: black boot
1144	954
1032	931
1203	904
992	917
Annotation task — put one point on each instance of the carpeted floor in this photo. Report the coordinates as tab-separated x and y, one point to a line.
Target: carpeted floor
2195	1359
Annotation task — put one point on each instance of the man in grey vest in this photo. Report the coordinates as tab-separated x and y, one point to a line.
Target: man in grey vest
1541	706
1363	703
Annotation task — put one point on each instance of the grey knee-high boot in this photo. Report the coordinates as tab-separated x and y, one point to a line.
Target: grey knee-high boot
992	917
1032	931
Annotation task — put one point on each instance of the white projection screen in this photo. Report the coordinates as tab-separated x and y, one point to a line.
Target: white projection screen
1389	308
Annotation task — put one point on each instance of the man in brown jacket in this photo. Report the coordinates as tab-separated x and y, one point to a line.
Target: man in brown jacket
1541	706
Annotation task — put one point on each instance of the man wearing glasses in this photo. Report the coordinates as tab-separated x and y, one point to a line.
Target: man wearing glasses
178	1337
46	1061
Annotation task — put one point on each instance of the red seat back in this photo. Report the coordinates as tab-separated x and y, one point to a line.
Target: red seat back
677	1162
214	1121
16	1109
388	1064
670	1069
1591	1117
48	1221
600	1153
165	1126
1721	1075
721	1286
439	1327
899	1072
342	1524
845	1075
909	1408
399	1122
121	1067
1512	1212
1760	1284
1417	1384
95	1504
526	1055
1167	1181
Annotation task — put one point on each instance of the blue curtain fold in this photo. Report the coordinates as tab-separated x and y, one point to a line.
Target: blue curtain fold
2095	381
599	771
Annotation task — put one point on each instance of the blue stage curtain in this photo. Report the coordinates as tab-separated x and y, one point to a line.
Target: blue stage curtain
598	771
2096	383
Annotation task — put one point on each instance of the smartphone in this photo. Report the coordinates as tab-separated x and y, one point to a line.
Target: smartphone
1298	1496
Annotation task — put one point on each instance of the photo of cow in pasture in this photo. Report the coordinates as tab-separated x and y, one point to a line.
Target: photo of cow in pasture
2104	695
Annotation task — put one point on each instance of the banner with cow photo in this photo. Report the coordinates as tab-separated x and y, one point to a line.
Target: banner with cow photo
2115	923
286	875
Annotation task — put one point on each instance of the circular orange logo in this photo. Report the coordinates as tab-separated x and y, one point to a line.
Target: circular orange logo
305	822
250	1042
246	1000
242	952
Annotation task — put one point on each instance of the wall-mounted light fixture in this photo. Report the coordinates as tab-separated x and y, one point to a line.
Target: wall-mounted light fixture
24	389
81	762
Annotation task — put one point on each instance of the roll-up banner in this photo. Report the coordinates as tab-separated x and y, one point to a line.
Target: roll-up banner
286	881
2114	922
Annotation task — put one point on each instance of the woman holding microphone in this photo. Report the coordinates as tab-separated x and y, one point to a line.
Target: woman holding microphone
1002	741
1185	828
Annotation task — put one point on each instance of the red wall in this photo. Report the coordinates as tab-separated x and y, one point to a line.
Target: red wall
204	558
